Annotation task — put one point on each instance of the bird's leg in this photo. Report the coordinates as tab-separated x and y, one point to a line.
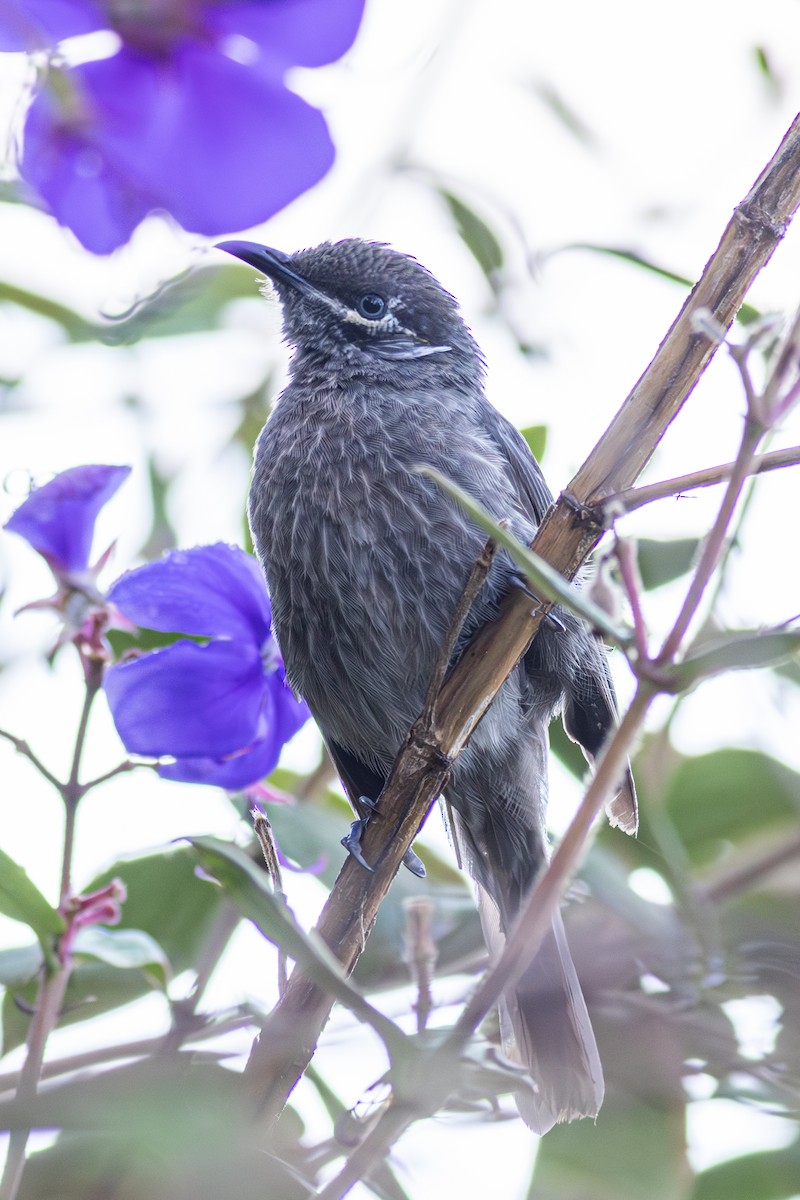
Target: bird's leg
352	841
517	580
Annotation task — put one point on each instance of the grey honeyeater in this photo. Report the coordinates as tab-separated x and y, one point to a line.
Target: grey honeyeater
365	560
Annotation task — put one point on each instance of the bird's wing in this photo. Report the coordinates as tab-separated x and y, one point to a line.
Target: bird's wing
590	714
358	779
534	493
590	710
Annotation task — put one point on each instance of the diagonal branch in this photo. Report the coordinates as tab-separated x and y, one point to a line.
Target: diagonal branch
565	538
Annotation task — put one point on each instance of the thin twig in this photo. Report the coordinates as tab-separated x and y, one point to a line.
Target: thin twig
72	791
121	769
421	954
45	1017
632	498
475	581
266	839
22	747
137	1049
742	875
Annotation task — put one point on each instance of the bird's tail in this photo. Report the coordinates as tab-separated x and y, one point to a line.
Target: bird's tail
545	1026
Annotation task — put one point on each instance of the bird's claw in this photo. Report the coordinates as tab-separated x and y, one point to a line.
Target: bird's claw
352	843
518	580
413	863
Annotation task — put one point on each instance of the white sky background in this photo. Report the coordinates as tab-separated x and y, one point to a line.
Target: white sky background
681	123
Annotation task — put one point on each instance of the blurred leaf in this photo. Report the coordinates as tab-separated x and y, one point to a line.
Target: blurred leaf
166	900
20	965
151	1130
746	313
76	327
476	235
737	652
722	797
161	536
22	901
564	113
767	1175
768	75
536	437
249	888
632	1151
662	561
190	303
93	988
126	949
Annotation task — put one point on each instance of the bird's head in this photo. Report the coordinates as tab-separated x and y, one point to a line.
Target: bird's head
362	304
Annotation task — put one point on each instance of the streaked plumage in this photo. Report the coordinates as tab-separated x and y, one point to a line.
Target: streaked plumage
365	561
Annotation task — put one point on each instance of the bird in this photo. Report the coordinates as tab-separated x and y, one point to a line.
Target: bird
365	560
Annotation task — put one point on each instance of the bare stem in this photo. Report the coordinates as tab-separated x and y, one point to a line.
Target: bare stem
633	498
715	542
48	1007
72	791
22	747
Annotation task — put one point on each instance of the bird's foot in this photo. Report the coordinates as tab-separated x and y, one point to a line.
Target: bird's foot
519	581
352	843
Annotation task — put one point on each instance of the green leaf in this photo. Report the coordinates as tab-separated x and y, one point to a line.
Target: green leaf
545	581
20	965
189	303
767	1175
737	652
248	887
746	313
536	437
126	949
718	798
22	901
662	561
167	900
476	235
633	1150
565	113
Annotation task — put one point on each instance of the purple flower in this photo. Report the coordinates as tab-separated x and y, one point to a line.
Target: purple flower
190	116
57	519
222	709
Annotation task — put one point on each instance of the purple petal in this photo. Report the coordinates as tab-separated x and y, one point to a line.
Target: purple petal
34	24
58	518
216	144
188	700
302	33
209	591
239	771
281	717
289	714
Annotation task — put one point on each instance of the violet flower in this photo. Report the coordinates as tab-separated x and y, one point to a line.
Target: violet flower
57	519
222	709
191	115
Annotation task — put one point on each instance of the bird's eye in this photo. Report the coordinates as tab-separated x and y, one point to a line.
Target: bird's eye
371	305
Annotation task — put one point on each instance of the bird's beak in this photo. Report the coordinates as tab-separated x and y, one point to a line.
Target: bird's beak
272	263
